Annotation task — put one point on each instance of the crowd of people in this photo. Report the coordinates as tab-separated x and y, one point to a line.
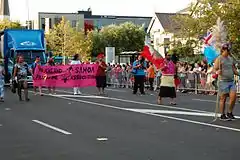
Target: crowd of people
173	76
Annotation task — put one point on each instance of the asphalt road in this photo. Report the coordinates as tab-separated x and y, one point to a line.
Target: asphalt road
120	126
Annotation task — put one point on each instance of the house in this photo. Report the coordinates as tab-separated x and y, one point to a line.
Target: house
161	31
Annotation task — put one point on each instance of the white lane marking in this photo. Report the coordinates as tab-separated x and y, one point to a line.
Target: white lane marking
115	90
177	112
102	139
152	114
211	101
7	109
52	127
1	125
145	103
204	100
78	96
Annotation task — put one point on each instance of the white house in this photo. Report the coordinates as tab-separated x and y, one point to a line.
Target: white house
161	31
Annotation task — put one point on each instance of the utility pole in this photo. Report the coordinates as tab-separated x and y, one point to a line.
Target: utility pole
28	15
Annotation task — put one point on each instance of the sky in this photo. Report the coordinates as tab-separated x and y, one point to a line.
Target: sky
19	9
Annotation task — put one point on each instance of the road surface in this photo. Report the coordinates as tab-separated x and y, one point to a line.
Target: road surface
120	126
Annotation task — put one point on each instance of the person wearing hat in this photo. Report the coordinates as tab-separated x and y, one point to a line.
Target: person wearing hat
1	81
225	68
101	79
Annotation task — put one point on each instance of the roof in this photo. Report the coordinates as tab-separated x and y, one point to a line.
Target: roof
55	13
114	17
4	8
90	16
167	22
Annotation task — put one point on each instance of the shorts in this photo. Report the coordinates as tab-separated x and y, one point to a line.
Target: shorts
101	81
227	87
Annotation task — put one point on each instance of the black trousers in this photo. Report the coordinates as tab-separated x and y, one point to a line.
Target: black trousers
151	80
138	83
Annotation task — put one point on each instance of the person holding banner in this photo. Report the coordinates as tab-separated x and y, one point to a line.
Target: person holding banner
225	68
36	64
167	86
101	79
51	88
75	61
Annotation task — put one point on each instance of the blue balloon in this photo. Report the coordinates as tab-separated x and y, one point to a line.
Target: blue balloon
210	54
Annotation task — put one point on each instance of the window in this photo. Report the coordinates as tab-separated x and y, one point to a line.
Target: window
166	45
74	23
57	20
43	23
50	23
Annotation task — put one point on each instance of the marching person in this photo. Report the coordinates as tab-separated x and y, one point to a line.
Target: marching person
225	68
167	86
2	73
139	67
101	79
36	64
51	88
20	74
75	61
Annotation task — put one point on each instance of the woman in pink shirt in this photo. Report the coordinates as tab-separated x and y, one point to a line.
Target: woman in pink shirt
167	87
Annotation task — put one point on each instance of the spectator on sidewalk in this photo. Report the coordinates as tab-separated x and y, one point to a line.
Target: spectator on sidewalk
151	75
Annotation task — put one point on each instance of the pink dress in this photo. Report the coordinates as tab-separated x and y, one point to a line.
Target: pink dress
168	69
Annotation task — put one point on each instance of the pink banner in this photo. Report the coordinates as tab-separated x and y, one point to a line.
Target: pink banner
66	76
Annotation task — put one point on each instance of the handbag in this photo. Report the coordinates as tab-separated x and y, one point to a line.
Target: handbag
14	86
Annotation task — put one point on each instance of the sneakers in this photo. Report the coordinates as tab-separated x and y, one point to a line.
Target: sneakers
231	116
224	118
227	117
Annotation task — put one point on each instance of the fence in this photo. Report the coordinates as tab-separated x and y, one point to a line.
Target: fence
194	82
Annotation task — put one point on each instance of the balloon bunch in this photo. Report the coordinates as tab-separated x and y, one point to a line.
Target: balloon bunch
214	41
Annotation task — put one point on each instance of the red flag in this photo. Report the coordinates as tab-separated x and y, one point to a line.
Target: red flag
158	62
147	54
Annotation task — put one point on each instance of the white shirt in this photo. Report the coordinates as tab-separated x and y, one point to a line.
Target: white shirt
75	62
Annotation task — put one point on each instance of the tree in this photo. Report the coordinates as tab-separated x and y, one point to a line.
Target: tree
6	24
67	41
124	37
205	14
